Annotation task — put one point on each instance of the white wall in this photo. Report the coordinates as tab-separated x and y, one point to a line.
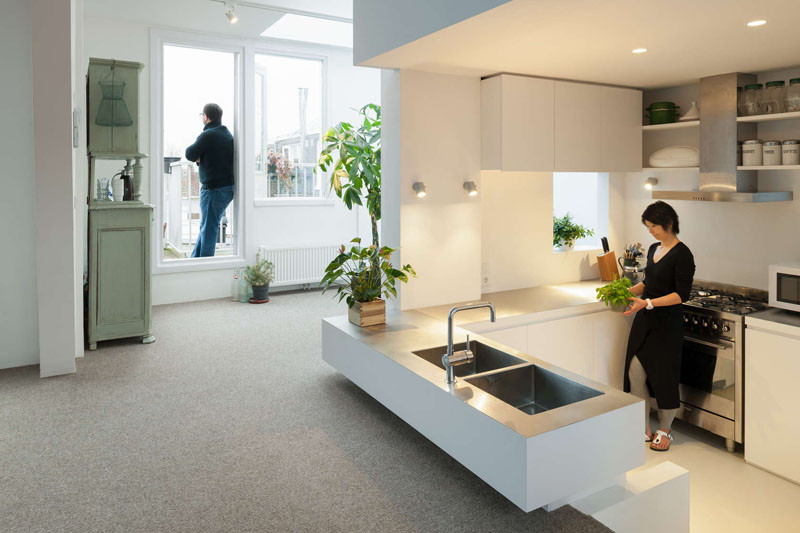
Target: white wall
19	332
347	87
382	25
437	141
517	232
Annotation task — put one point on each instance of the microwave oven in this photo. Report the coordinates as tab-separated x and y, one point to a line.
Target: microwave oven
784	286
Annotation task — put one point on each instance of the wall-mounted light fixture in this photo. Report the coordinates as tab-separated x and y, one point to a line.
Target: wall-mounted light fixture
419	189
650	183
471	188
230	12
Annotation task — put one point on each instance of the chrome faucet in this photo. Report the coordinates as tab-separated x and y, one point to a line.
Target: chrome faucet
451	360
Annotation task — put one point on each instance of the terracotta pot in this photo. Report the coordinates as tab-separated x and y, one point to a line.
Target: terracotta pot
365	314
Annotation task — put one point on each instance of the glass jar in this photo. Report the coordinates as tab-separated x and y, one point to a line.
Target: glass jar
772	153
792	98
752	99
772	97
791	152
752	153
740	107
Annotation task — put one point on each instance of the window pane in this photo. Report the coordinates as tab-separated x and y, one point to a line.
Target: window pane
288	117
584	195
193	77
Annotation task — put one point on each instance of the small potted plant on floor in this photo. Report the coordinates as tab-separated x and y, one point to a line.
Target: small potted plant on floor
616	294
566	232
259	277
361	276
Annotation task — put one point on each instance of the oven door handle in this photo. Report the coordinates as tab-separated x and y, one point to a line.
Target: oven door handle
706	343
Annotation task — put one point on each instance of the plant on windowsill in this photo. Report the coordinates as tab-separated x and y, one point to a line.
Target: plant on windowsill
616	294
353	155
566	232
279	166
361	284
259	277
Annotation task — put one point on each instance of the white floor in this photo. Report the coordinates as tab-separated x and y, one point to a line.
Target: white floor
728	494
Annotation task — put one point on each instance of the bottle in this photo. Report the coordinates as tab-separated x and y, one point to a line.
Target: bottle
244	288
235	285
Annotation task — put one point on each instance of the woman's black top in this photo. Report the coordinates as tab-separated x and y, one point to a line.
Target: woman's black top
656	337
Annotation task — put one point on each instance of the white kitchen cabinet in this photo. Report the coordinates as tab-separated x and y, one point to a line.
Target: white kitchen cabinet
516	338
567	343
610	343
517	123
771	431
621	130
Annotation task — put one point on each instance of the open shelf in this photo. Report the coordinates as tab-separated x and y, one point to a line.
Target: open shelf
770	117
667	169
672	125
771	167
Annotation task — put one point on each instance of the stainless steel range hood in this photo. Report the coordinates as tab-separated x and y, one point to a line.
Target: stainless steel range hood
720	181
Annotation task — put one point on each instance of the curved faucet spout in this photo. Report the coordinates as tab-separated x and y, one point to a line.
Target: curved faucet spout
467	356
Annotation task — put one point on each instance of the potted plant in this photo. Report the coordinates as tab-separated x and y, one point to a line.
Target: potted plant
361	284
353	155
616	294
566	232
259	277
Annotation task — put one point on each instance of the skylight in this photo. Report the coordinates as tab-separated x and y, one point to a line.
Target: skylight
312	30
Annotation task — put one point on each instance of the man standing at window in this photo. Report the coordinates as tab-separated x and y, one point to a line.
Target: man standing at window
213	152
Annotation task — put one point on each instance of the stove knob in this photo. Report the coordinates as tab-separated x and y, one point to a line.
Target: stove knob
686	319
714	326
694	321
705	324
726	328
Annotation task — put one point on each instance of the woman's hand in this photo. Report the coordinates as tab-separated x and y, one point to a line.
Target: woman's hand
635	305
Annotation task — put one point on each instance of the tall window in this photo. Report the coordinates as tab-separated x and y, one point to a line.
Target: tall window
192	77
288	126
584	195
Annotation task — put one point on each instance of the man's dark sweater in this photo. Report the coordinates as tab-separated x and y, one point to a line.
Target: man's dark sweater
214	149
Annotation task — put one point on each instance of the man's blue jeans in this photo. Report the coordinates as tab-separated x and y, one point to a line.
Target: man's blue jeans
213	203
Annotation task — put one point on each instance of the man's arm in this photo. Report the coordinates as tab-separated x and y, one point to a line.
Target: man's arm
195	151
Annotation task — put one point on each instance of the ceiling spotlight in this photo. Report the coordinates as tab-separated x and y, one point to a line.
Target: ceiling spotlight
754	23
230	12
419	189
650	183
471	188
639	50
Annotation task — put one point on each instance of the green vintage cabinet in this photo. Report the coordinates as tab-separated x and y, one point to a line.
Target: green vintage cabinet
119	271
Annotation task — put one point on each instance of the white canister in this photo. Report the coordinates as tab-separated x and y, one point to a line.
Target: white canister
791	152
752	153
117	189
772	153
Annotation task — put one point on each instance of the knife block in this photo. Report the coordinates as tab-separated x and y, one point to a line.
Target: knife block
609	269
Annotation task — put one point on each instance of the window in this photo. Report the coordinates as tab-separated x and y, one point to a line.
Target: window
584	195
288	118
186	88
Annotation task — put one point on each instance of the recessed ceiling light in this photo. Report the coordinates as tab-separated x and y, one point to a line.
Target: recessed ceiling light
754	23
639	50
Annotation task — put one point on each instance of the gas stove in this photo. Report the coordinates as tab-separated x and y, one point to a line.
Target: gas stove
725	302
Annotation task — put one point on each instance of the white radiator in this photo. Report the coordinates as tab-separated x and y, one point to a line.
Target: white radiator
298	265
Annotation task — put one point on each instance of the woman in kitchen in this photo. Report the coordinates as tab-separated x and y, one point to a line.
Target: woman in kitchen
655	343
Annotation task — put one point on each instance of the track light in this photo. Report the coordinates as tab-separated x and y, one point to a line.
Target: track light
650	183
471	188
419	189
230	12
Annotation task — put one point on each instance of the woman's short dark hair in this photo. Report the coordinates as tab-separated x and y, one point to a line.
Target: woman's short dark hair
213	112
661	214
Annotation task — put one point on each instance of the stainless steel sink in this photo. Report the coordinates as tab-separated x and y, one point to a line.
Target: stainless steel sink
533	389
486	358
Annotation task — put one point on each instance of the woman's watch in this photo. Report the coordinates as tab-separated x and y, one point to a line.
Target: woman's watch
650	305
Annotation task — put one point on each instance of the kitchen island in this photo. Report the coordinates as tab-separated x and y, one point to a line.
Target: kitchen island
549	458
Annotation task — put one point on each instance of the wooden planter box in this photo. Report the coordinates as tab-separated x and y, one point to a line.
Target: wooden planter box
368	313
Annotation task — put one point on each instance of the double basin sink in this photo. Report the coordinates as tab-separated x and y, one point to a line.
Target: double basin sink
528	387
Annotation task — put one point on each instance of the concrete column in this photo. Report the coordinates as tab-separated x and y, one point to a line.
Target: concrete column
51	22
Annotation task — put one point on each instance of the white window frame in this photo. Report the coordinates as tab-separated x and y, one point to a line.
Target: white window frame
324	198
603	200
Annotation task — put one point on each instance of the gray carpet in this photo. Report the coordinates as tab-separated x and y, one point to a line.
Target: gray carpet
230	422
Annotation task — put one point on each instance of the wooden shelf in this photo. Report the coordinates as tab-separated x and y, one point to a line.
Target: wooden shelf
770	117
771	167
672	126
667	169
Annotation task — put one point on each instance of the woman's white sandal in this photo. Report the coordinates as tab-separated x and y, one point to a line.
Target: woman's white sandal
657	441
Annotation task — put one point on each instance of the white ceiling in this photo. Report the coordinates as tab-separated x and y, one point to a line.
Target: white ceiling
591	40
209	16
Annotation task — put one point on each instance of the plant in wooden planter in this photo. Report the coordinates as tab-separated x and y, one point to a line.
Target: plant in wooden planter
616	294
566	232
259	277
357	280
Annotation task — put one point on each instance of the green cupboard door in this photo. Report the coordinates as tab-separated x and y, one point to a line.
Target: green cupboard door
121	305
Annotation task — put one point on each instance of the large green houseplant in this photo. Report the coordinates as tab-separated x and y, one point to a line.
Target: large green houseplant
364	274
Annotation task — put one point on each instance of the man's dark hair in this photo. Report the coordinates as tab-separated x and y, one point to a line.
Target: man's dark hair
661	214
213	112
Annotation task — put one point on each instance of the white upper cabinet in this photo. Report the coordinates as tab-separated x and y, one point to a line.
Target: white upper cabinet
535	124
517	123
